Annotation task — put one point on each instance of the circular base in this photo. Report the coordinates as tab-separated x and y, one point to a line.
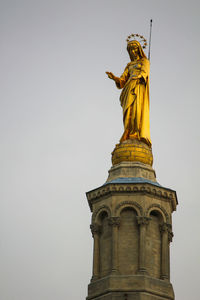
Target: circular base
132	150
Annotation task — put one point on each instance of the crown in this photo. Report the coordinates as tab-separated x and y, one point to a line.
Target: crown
137	37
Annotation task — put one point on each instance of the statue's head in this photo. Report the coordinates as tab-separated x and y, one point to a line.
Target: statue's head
134	49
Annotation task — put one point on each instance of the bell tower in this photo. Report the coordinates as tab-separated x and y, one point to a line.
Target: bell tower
131	212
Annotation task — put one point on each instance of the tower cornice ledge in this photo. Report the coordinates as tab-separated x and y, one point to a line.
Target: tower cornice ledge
134	185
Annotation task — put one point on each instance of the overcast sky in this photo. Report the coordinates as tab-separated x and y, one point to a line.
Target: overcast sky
60	120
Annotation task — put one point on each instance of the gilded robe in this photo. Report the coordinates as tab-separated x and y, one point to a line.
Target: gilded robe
135	100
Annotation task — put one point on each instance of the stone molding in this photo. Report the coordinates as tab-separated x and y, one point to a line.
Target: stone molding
128	204
151	287
144	188
99	210
159	208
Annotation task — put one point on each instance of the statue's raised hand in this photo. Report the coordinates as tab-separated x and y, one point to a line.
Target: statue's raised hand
111	75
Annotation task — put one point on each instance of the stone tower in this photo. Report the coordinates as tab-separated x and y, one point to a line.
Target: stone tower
132	229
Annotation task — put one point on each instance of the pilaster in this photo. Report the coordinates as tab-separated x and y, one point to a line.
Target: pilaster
95	229
142	222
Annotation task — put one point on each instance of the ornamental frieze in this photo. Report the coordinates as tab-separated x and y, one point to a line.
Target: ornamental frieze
148	189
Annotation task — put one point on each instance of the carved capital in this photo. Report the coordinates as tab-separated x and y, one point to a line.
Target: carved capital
170	236
166	227
114	221
143	220
95	229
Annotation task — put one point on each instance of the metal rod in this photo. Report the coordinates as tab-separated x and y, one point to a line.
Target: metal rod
150	39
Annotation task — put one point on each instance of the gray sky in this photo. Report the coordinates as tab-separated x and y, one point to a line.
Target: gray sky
60	120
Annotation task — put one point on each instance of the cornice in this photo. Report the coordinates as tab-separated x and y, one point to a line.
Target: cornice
145	188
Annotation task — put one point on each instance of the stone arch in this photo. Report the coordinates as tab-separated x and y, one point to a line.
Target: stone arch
98	211
160	209
126	204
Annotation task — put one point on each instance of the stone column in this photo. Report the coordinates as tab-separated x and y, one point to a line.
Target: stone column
170	237
166	238
142	222
164	251
95	229
114	222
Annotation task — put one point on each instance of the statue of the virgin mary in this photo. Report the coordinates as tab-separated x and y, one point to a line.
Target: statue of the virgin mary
134	97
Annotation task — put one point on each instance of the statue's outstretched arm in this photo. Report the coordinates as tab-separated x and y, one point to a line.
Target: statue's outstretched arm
120	81
113	77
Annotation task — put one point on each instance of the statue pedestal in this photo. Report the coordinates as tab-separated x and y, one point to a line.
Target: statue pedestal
132	150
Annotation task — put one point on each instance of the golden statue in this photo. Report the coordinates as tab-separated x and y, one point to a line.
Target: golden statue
134	97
